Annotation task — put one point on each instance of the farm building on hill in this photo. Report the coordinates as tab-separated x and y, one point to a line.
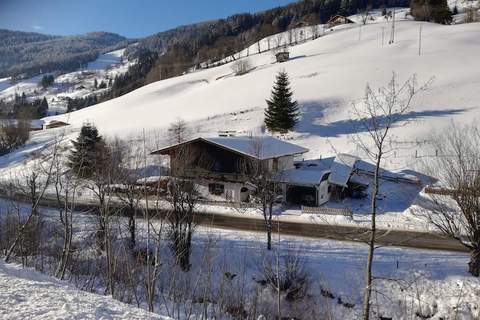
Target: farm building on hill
282	56
220	165
220	168
55	124
338	20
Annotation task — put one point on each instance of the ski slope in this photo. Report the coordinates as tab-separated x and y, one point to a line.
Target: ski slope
327	74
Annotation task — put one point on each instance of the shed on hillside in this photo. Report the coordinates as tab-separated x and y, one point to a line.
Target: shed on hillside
55	124
338	20
282	56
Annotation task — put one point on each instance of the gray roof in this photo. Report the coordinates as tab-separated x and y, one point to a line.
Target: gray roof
301	177
342	169
259	147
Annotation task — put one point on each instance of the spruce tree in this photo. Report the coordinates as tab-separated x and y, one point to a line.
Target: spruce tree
282	112
42	108
87	153
436	11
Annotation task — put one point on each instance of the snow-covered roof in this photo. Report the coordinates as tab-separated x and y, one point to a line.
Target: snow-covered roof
301	177
261	147
342	169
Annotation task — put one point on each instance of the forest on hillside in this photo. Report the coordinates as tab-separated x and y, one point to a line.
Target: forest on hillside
25	54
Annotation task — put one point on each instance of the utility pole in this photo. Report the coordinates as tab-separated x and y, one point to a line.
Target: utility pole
279	297
420	41
392	35
383	36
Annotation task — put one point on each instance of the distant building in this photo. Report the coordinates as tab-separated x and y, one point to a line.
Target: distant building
55	124
282	56
338	20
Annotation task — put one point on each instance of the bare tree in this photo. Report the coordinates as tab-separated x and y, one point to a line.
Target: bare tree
105	174
129	192
13	133
314	29
261	174
379	111
241	67
66	187
364	14
182	195
458	169
179	131
278	39
291	36
471	12
36	196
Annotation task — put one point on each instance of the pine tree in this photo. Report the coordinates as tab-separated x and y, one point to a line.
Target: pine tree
282	112
42	108
436	11
87	153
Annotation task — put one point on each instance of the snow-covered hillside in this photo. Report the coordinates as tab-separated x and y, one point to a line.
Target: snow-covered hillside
78	84
27	294
327	74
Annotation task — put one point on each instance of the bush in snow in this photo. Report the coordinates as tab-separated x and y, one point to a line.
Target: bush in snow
241	67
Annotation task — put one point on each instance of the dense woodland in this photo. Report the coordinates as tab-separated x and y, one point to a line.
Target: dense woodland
22	108
24	54
185	47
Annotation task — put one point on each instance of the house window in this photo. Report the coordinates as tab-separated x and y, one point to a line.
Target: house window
216	188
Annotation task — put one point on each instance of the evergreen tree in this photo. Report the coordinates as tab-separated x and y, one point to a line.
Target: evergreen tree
42	108
436	11
87	154
95	83
47	81
282	112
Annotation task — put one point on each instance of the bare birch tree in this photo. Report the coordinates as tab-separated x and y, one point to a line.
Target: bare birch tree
263	178
179	131
182	195
379	111
41	166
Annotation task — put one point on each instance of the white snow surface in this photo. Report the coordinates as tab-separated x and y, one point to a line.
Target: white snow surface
326	74
28	294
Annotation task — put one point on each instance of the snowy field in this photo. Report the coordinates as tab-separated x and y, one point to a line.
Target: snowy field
408	281
327	74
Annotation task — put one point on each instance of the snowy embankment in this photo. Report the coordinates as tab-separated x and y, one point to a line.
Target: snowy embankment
28	294
409	281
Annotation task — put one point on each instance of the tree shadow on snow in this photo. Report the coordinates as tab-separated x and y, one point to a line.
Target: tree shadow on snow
313	113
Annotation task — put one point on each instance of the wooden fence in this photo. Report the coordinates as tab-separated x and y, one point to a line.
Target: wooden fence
330	211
